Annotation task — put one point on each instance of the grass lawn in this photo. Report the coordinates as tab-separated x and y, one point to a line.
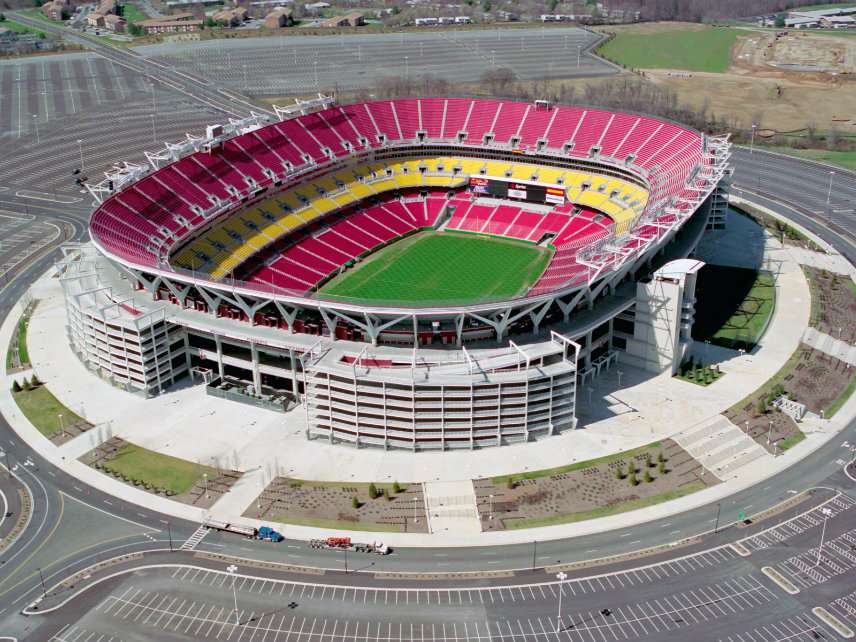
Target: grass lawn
23	355
162	471
441	268
132	13
36	14
604	511
793	440
835	406
842	159
705	50
336	524
736	315
42	409
18	27
608	459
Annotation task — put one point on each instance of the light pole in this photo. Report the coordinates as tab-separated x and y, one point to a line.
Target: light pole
716	523
752	140
829	193
490	514
407	68
315	67
61	425
231	571
205	478
769	432
561	576
826	515
36	124
415	507
579	49
154	131
80	148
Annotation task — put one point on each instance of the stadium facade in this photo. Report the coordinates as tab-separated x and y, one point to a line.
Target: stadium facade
219	262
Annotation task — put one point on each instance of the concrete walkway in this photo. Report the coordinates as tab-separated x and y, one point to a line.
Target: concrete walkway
830	345
452	507
623	409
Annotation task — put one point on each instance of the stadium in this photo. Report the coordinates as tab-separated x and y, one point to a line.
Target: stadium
423	274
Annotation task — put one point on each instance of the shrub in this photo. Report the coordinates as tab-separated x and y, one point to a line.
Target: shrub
510	483
395	487
647	477
633	480
661	457
648	462
355	501
35	381
16	387
373	491
26	384
662	468
619	472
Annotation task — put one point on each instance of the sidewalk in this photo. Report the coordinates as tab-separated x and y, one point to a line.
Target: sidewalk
644	409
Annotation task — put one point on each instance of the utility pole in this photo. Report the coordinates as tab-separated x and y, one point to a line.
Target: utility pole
231	571
561	576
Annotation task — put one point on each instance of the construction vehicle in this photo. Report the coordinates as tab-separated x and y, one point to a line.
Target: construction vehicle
345	544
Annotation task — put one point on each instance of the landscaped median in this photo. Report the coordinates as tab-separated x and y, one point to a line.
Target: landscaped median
625	481
363	506
185	481
46	413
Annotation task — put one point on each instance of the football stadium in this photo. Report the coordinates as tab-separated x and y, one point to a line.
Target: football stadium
422	274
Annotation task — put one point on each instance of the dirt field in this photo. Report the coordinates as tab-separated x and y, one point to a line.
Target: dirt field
582	492
331	506
783	83
836	303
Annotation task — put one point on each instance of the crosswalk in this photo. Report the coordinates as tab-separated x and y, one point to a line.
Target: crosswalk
193	541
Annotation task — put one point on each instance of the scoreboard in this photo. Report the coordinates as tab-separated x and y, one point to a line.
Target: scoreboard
518	190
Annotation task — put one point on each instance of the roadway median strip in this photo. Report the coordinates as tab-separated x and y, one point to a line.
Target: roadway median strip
842	629
780	579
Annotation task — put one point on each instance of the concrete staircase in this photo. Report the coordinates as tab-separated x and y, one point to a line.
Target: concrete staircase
720	446
452	507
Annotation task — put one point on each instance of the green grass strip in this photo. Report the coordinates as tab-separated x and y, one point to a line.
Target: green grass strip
791	441
161	471
835	406
605	511
42	409
23	355
607	459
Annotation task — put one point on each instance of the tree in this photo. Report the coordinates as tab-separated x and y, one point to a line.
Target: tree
648	462
395	487
619	472
136	30
355	501
486	6
2	17
35	381
16	387
647	476
373	491
662	468
780	20
633	480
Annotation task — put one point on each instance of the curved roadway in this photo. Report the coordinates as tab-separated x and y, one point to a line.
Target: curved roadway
796	188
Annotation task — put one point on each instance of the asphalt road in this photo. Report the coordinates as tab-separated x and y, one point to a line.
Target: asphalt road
49	552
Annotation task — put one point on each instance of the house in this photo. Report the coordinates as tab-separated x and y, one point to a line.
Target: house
95	19
354	19
114	23
54	9
278	18
178	23
231	17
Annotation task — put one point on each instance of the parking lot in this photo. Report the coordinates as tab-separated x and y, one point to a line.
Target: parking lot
47	105
21	236
301	65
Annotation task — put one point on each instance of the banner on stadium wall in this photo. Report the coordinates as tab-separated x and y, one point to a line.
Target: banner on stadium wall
555	195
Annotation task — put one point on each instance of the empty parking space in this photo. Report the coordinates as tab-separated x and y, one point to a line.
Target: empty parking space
814	566
799	524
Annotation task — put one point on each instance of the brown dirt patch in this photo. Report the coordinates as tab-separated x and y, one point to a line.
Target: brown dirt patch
585	490
298	501
833	303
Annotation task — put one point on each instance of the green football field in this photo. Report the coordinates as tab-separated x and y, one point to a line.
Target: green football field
436	268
